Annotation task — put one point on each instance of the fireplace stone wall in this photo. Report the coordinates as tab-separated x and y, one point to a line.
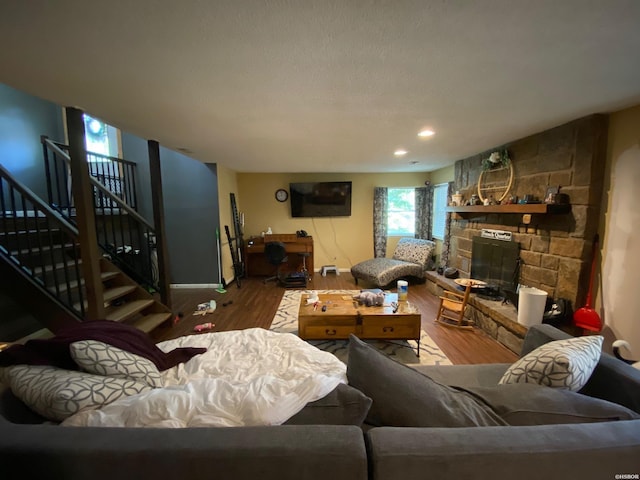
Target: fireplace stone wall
556	249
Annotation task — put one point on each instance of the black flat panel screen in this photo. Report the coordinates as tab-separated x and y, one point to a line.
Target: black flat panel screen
320	199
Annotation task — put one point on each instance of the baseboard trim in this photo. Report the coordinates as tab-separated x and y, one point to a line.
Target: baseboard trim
195	285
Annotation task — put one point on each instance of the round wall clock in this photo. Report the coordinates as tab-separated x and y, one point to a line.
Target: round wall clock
282	195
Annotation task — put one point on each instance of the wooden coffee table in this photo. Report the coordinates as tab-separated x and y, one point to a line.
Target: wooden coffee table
344	316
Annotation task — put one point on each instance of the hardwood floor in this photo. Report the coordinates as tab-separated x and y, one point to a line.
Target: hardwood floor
255	304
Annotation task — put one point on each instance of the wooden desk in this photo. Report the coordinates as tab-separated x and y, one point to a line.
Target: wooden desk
256	263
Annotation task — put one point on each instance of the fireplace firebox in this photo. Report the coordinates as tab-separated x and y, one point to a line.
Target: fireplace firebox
496	262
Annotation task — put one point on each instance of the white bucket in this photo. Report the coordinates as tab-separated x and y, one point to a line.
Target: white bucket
403	290
531	303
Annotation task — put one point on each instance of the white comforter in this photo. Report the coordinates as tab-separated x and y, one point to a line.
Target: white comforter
246	377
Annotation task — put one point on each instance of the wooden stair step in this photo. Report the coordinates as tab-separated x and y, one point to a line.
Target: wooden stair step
44	250
117	292
128	310
109	295
104	276
28	232
151	321
57	266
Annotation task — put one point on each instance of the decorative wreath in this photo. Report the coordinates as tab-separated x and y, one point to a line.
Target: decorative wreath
498	159
488	185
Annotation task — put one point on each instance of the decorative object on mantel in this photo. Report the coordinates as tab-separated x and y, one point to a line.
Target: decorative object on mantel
498	159
554	197
496	234
496	178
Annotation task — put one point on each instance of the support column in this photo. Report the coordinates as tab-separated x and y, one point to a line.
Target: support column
85	215
157	201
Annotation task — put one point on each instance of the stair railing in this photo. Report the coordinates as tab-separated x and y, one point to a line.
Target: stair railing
40	243
117	174
123	234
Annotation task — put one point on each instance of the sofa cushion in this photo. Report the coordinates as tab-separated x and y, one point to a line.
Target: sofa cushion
101	358
403	397
344	405
482	375
383	271
57	394
562	363
13	410
611	380
530	404
414	250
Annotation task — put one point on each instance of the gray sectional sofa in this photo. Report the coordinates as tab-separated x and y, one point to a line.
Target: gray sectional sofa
578	450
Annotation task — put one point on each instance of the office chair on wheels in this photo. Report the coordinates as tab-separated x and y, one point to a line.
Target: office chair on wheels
276	256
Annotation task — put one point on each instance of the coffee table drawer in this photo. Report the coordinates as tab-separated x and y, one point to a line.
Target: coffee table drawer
393	327
322	332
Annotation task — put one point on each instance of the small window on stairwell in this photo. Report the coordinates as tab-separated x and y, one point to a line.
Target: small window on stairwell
100	138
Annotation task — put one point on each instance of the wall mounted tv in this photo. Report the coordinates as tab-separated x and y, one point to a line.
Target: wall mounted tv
320	199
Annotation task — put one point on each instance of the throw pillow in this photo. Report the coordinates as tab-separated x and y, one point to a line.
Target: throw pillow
529	404
57	394
564	364
344	405
414	250
403	397
103	359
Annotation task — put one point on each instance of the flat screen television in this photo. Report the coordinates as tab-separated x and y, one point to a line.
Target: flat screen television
320	199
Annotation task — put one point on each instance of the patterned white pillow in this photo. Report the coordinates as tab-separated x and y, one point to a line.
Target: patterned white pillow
56	393
104	359
566	364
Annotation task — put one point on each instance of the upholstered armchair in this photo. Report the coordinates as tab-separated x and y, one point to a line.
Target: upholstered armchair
413	257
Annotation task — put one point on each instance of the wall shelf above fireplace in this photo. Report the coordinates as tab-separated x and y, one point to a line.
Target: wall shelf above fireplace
542	208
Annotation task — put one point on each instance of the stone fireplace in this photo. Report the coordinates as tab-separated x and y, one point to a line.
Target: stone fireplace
554	248
496	262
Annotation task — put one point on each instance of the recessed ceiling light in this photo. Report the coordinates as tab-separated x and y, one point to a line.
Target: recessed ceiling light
427	132
400	152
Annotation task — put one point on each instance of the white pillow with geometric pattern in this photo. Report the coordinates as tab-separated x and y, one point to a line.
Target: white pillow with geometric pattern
56	393
104	359
566	364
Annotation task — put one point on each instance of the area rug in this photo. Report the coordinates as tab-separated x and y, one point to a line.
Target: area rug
404	351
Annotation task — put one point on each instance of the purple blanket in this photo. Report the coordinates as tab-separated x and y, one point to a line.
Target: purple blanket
55	351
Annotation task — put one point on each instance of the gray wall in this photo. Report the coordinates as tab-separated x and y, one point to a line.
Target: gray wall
190	187
190	190
23	118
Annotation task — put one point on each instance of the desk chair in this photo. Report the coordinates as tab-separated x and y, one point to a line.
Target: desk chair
276	256
451	309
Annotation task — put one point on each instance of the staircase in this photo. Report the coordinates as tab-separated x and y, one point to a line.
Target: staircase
41	267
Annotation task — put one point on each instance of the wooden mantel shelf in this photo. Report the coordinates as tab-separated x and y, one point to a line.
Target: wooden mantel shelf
543	208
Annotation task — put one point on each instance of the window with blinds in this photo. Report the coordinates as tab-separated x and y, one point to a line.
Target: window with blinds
439	214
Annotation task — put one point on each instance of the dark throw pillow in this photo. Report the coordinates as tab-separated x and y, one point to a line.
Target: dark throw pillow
343	406
403	397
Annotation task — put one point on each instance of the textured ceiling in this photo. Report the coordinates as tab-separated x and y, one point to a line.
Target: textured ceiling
332	86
